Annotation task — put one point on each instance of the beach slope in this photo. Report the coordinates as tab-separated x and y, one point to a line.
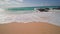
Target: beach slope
29	28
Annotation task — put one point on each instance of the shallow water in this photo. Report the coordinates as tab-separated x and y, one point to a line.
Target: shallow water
51	17
55	17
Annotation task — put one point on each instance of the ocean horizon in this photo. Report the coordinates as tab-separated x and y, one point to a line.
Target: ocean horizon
29	8
23	10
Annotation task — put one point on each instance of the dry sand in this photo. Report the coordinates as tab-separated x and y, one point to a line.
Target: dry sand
29	28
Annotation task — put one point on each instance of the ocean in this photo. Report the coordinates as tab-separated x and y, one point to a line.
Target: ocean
29	8
24	14
23	10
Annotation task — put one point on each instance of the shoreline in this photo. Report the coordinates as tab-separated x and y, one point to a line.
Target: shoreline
35	26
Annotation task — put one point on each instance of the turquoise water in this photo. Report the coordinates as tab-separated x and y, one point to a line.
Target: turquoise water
29	8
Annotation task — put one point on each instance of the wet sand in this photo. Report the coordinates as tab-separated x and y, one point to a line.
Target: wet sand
29	28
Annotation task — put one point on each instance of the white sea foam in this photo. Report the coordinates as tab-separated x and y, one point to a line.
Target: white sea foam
5	18
55	17
50	17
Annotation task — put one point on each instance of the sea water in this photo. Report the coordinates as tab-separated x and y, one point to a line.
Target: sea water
23	10
24	14
54	17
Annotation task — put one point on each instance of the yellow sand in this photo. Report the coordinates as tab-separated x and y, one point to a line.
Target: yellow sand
29	28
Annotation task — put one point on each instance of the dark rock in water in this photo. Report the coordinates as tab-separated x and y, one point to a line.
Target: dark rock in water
47	8
44	10
41	10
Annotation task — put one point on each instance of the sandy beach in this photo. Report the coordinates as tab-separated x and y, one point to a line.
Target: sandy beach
29	28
